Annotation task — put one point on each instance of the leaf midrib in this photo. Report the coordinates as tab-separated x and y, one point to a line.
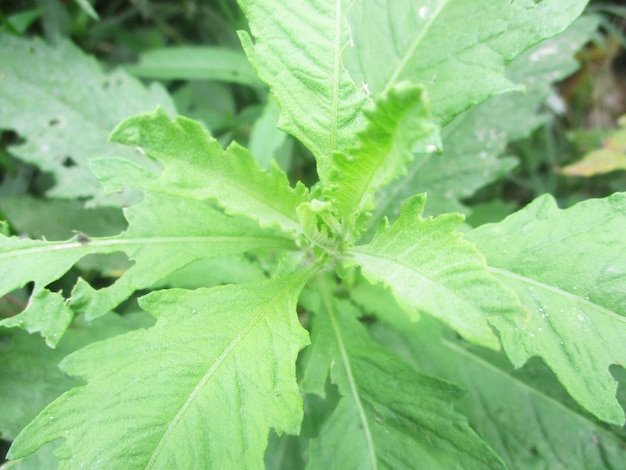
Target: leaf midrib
211	372
329	307
337	50
414	45
271	241
556	291
540	395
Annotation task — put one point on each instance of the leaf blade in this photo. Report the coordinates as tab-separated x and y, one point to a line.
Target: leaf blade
371	427
398	121
424	261
75	110
297	51
572	279
252	330
156	248
458	69
195	166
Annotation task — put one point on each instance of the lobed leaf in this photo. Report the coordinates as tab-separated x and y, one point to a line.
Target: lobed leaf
429	267
568	267
413	41
164	235
397	122
297	50
65	113
389	416
203	388
196	167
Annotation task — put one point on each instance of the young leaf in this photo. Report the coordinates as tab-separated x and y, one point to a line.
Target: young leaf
66	113
414	41
569	268
203	386
399	119
528	427
164	235
428	267
297	51
196	167
389	416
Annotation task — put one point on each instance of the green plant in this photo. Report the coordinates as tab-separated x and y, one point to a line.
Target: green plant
314	332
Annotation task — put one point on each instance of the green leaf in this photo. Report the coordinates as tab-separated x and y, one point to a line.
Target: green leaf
164	235
429	267
220	361
372	427
29	374
59	219
196	63
196	167
397	122
527	426
569	268
458	49
474	142
297	51
65	113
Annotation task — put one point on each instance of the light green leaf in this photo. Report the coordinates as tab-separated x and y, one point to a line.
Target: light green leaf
569	268
164	235
195	63
220	361
475	140
196	167
297	51
528	427
458	49
66	113
428	266
397	122
29	374
374	428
